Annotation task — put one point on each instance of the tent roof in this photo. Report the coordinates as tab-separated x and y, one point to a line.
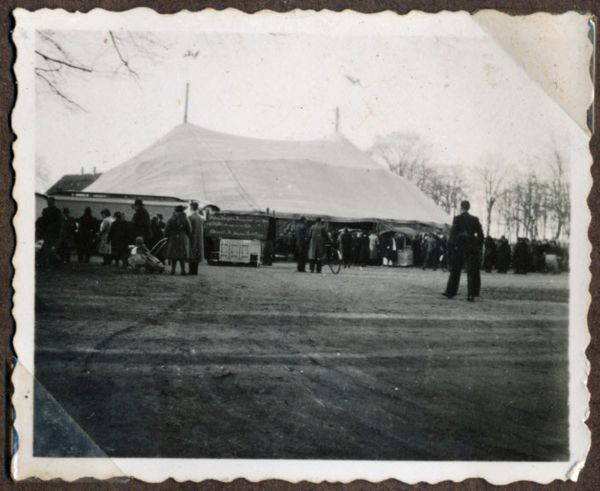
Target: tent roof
326	177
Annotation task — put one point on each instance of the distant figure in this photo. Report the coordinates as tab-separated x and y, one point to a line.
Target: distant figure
68	233
196	238
489	255
345	241
363	245
86	235
464	246
417	253
178	231
140	222
161	223
157	233
157	226
373	248
118	239
103	244
432	251
301	245
50	225
521	257
503	254
390	249
356	248
318	237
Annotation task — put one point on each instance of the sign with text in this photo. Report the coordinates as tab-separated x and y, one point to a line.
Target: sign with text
237	226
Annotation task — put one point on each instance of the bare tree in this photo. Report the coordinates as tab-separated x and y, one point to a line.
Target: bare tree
446	188
405	154
492	178
409	156
559	202
506	210
528	196
59	60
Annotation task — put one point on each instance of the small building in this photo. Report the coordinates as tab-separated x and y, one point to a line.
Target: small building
72	183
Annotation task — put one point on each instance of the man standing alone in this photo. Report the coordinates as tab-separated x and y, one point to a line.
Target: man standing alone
464	248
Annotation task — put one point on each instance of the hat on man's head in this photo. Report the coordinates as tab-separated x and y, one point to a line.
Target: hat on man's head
179	208
138	202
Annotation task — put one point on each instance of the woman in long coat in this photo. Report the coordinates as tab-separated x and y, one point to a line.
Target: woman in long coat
318	237
118	239
178	231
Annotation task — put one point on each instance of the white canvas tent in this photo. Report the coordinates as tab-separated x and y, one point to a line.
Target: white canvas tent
330	178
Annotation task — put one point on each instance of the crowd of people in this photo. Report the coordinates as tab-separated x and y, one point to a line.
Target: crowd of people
179	241
427	250
143	242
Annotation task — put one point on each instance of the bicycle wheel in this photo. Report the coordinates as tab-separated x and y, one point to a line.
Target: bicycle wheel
335	261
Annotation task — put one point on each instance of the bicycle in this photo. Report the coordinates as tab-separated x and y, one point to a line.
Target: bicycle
333	257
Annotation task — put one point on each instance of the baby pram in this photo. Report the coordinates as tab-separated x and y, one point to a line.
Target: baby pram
142	259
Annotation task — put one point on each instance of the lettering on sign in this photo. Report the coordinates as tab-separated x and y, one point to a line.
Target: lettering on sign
232	226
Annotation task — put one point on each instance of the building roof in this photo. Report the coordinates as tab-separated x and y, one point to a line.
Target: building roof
72	182
329	177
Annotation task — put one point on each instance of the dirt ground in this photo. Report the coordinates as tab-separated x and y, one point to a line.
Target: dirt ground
269	363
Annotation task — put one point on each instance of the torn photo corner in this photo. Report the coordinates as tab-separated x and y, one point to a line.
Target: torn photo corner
306	246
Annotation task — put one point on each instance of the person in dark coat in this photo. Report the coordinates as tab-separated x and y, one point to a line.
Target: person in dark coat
318	237
140	222
345	241
416	247
521	259
466	239
363	245
431	251
50	224
356	248
178	231
301	239
68	233
157	232
118	238
489	255
87	233
503	254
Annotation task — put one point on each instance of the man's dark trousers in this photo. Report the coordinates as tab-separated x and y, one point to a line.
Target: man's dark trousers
301	255
471	263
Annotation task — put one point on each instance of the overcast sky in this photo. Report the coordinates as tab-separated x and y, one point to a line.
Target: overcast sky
446	81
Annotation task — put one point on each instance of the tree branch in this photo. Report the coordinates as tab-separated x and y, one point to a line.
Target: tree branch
59	93
121	57
63	62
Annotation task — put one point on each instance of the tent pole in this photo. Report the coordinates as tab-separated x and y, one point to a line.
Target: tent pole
187	90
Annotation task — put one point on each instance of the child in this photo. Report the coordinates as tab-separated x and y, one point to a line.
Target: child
140	255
